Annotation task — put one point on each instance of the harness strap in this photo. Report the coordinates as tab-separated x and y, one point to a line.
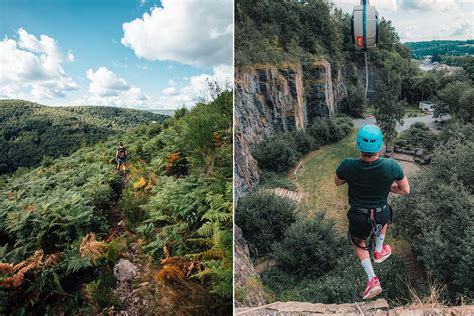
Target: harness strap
375	230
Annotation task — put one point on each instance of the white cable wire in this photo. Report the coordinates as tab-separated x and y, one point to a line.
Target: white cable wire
366	75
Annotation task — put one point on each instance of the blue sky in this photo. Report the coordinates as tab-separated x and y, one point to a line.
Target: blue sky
132	53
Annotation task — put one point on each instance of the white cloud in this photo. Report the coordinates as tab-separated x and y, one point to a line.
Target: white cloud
31	68
193	32
170	91
422	5
196	87
106	88
105	83
424	20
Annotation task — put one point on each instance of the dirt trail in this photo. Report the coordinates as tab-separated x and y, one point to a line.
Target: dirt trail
126	290
316	180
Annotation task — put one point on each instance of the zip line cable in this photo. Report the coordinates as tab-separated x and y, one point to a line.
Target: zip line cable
366	75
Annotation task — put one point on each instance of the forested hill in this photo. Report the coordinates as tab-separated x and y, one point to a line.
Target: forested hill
449	48
452	53
29	132
66	226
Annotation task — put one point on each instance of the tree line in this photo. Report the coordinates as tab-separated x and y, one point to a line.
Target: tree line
31	132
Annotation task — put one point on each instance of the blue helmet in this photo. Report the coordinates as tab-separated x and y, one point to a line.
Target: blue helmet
369	139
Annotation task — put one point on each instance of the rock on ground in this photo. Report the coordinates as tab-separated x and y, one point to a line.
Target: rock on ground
124	270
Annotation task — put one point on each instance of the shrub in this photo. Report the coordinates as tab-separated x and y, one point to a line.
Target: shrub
356	104
263	218
319	130
303	251
455	130
330	130
342	284
437	218
301	142
275	154
417	136
275	180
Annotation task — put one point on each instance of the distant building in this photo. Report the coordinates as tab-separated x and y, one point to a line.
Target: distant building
426	106
427	65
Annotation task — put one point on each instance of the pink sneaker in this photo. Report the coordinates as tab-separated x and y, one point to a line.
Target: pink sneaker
384	254
373	289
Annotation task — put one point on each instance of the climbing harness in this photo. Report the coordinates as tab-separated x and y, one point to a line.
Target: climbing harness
376	228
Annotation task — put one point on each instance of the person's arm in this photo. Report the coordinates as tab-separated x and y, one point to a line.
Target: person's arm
401	187
338	181
116	155
340	176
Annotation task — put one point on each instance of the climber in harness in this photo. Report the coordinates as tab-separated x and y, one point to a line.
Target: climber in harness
370	180
121	157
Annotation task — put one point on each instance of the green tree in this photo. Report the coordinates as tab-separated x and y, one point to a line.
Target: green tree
388	109
448	100
437	217
466	105
425	85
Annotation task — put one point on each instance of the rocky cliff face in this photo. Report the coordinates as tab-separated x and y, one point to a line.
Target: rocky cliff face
270	99
248	288
267	100
319	89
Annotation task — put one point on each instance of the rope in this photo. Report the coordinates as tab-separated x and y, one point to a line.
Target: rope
360	310
366	75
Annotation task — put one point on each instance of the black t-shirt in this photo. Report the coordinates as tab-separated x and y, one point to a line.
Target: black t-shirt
369	183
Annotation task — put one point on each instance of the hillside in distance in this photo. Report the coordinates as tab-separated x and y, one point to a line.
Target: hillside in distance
441	47
30	131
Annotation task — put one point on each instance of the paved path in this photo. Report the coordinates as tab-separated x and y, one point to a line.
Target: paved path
429	120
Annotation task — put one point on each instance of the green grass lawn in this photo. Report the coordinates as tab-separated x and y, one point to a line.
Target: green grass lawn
317	179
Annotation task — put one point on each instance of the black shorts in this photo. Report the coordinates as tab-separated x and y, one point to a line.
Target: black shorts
359	222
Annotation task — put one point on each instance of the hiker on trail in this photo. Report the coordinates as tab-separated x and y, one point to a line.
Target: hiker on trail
121	157
370	180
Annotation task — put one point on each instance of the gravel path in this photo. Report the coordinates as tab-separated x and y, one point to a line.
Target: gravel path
429	120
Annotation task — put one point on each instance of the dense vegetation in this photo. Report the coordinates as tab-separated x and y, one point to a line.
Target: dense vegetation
313	262
437	215
281	32
261	230
441	47
280	152
61	231
31	132
466	62
452	53
417	136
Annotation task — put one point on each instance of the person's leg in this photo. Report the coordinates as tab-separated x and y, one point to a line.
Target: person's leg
380	238
382	252
373	287
364	258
